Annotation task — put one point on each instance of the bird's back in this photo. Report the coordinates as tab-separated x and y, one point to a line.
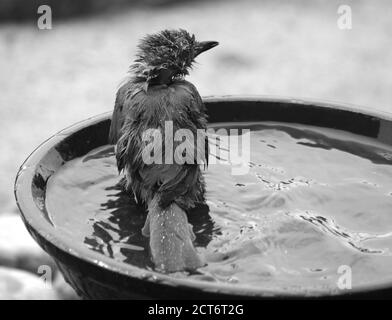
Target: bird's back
178	105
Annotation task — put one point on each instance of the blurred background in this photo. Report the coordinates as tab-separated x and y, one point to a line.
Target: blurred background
50	79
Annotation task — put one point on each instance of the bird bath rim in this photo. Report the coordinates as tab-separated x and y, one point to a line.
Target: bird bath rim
38	223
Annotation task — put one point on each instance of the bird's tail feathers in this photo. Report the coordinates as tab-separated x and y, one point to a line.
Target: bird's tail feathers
171	238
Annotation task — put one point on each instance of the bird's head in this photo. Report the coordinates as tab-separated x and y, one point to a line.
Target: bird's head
167	55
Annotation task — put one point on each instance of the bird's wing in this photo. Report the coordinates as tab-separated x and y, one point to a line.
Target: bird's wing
176	182
198	113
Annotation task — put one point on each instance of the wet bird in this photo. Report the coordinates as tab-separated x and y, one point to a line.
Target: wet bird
155	94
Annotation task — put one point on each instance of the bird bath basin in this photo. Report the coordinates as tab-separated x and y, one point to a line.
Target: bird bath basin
96	274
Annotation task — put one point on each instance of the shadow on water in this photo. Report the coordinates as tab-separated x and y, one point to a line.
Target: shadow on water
119	237
321	141
314	139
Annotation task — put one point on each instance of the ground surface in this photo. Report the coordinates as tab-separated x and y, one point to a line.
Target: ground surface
51	79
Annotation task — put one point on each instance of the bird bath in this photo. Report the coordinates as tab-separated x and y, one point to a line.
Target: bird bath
96	270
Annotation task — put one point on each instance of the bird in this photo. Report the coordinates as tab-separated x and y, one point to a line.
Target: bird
156	93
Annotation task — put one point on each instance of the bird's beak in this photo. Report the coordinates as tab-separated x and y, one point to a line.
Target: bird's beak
204	46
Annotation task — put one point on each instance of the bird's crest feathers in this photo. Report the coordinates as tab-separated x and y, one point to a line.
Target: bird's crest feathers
166	55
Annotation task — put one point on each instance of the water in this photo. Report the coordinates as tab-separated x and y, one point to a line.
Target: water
314	200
